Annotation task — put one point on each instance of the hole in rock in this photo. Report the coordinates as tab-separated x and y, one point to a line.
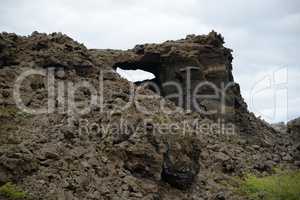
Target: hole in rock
145	71
135	76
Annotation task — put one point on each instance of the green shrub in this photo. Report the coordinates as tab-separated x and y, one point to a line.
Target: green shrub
283	186
11	191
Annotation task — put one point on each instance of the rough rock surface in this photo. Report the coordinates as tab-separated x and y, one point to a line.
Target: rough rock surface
59	156
294	126
188	62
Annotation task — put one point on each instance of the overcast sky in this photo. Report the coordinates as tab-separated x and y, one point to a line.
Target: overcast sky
264	35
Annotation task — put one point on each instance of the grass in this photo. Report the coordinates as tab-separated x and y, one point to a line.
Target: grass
282	186
11	191
7	112
11	112
11	119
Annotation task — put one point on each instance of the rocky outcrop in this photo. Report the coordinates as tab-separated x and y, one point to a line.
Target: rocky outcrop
293	126
202	68
115	151
203	58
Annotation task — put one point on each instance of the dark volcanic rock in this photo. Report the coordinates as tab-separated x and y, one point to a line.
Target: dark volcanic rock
189	63
180	168
294	126
116	151
204	58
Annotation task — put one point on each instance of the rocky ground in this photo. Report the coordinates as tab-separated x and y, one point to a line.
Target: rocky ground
64	154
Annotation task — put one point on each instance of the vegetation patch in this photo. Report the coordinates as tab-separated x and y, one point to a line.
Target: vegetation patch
11	121
11	191
7	112
11	112
281	186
